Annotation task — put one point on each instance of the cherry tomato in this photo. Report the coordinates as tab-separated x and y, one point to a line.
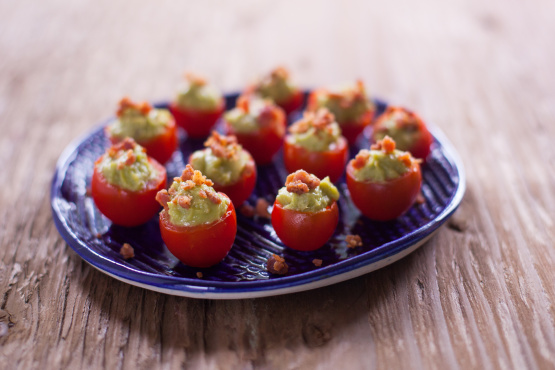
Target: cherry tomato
160	147
202	245
421	147
294	102
349	129
265	142
241	190
124	207
326	163
304	231
383	201
197	123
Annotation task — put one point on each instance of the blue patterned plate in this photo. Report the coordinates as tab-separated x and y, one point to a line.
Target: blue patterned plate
242	274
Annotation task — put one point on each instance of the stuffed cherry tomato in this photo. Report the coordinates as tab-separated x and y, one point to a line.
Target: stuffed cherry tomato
383	182
198	106
350	106
197	224
406	128
228	165
315	145
277	86
153	129
305	212
125	182
259	126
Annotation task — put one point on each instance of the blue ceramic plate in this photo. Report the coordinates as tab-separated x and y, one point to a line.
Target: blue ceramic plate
242	274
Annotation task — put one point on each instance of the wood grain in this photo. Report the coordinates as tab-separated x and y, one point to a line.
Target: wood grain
479	295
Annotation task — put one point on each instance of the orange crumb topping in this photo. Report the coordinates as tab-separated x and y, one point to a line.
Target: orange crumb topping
195	79
348	97
126	103
300	182
320	120
222	146
387	144
243	103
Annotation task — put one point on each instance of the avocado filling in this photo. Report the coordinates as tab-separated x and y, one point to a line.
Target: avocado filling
382	163
250	114
315	132
191	200
306	193
401	125
198	95
125	165
347	104
139	121
223	160
276	86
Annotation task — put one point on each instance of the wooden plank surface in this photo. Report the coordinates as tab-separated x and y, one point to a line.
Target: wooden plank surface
479	295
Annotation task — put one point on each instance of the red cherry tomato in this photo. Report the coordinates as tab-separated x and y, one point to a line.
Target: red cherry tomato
304	231
350	129
201	245
383	201
124	207
293	103
326	163
160	147
265	142
421	147
197	123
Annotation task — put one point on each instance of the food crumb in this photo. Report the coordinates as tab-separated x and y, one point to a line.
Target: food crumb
98	235
276	265
420	199
127	251
261	208
247	210
317	262
199	275
353	241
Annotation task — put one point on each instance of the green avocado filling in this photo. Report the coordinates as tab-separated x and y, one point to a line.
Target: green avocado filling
201	210
278	89
131	177
246	122
132	123
317	140
345	113
314	201
404	136
380	166
200	97
223	171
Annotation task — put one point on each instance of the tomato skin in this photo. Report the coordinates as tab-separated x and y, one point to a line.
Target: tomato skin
263	143
160	147
293	103
326	163
349	129
420	149
197	123
201	245
304	231
127	208
241	190
384	201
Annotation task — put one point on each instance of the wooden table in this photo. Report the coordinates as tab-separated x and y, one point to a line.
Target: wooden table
480	294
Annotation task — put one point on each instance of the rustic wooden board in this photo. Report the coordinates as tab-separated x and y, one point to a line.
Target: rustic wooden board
479	295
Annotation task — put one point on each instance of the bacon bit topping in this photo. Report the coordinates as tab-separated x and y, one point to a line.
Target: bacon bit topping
130	158
361	159
247	210
320	120
184	201
187	173
214	197
406	159
243	103
186	185
353	241
195	79
348	97
280	73
276	265
127	251
124	145
317	262
300	182
199	275
387	144
202	194
261	208
163	198
143	107
222	146
191	176
404	118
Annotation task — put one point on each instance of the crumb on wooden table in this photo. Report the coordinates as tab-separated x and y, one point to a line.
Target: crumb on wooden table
353	241
247	210
317	262
127	251
261	208
276	265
